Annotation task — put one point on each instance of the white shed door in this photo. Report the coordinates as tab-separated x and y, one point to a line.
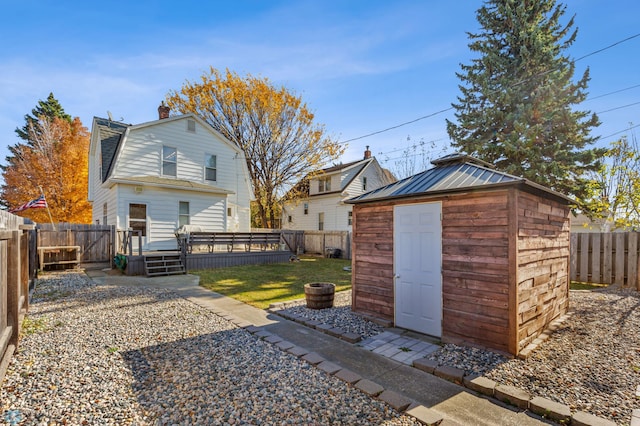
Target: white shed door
417	264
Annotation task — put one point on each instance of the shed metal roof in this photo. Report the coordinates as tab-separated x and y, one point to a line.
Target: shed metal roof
452	173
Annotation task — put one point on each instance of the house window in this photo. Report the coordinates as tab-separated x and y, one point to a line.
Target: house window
306	208
138	218
100	167
289	219
183	213
210	169
350	219
324	184
191	126
321	221
364	183
104	214
169	161
229	211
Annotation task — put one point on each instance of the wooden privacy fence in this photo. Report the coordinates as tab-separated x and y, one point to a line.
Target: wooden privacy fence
324	242
90	245
606	258
17	269
316	242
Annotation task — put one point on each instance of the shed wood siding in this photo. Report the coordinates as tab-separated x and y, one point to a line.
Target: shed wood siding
543	259
373	268
475	269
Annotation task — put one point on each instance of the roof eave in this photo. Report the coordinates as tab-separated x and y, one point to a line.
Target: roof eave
499	185
212	190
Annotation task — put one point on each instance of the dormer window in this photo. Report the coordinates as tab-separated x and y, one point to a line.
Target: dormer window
324	184
169	161
364	183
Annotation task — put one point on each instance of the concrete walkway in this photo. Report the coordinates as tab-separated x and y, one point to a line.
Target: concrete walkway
428	398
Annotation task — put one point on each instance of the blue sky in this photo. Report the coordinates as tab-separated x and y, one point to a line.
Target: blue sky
361	66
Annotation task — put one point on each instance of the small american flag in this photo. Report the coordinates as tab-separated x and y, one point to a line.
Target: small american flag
38	203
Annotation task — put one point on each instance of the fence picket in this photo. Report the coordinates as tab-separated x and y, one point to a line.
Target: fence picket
596	259
606	258
632	260
573	272
584	259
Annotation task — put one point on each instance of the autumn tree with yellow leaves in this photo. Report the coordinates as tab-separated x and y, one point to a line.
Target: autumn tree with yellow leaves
54	158
273	127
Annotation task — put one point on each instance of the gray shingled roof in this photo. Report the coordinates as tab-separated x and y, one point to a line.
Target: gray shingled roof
452	173
110	135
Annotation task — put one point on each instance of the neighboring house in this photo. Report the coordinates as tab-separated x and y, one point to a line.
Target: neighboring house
463	252
321	203
158	176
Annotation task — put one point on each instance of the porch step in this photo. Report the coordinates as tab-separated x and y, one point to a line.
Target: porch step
163	264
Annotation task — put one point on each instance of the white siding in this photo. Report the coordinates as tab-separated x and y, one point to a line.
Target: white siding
141	156
335	183
375	179
206	210
335	214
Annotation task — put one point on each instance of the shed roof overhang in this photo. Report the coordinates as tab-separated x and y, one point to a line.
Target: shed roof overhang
522	185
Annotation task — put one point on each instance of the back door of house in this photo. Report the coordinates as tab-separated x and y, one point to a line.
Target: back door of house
417	266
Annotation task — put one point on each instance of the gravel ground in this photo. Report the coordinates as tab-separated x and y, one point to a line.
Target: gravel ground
591	363
119	355
339	316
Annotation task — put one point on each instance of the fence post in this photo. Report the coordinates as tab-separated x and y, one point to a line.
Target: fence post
13	287
573	274
632	260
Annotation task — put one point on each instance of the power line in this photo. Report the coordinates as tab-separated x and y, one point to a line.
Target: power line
395	127
612	93
516	84
414	146
616	108
621	131
608	47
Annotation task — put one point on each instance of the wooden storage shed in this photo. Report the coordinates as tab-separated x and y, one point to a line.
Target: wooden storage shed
463	252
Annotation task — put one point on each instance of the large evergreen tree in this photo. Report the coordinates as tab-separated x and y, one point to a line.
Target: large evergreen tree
50	109
518	104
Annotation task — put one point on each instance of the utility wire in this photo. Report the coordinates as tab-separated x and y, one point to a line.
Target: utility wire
516	84
395	127
414	146
612	93
621	131
616	108
608	47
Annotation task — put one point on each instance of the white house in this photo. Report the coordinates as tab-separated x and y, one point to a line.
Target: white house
155	177
322	207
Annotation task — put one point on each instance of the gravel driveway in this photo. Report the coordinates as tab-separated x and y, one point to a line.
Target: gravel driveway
121	355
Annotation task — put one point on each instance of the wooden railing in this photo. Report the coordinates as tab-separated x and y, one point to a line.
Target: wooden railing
127	238
228	241
606	258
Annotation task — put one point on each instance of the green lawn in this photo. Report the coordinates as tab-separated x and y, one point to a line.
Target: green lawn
261	285
575	285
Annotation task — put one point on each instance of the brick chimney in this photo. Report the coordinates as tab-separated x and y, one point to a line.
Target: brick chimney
163	111
367	153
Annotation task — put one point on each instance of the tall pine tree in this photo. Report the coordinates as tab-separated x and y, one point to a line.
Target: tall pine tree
518	104
50	109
